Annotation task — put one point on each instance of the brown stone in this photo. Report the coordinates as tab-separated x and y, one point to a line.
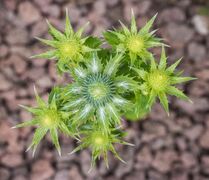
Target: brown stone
196	51
42	170
171	15
5	84
12	160
189	160
28	13
204	140
39	29
44	82
4	174
4	50
144	158
75	174
163	160
17	36
152	130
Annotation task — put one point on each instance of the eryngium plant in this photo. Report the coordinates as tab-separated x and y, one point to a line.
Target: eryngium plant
123	80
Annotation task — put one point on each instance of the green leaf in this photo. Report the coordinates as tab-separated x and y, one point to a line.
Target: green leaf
133	23
176	92
38	136
172	68
93	42
111	38
142	74
51	43
125	29
148	25
80	30
163	59
57	35
30	109
54	136
153	65
46	55
68	27
164	101
151	100
40	101
112	66
178	80
27	123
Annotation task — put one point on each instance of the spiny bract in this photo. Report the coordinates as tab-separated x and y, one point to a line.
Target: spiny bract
108	84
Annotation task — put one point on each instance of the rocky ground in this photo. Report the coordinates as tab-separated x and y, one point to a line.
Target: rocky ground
167	148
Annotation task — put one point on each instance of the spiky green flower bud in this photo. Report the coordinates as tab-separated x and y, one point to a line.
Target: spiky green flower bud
100	143
69	48
160	80
133	42
47	117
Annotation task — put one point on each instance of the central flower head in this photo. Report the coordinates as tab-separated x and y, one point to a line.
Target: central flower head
69	49
50	118
98	90
135	44
158	81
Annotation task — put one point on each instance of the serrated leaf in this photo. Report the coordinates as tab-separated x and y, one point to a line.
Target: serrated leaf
68	27
148	25
27	123
46	55
93	42
164	101
133	23
54	136
176	92
172	68
163	60
178	80
57	35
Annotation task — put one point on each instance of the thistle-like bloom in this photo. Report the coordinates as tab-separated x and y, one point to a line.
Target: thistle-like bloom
47	117
97	90
135	43
68	47
159	80
100	143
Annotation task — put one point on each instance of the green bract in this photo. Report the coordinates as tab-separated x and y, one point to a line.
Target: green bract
107	84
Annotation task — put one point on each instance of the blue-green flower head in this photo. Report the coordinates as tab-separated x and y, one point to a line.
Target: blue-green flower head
68	48
98	90
161	80
47	117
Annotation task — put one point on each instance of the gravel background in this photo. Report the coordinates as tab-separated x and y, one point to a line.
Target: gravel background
167	148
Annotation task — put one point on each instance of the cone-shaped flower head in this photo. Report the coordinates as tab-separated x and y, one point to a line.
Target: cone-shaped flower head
160	80
100	143
135	43
98	90
68	47
47	117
